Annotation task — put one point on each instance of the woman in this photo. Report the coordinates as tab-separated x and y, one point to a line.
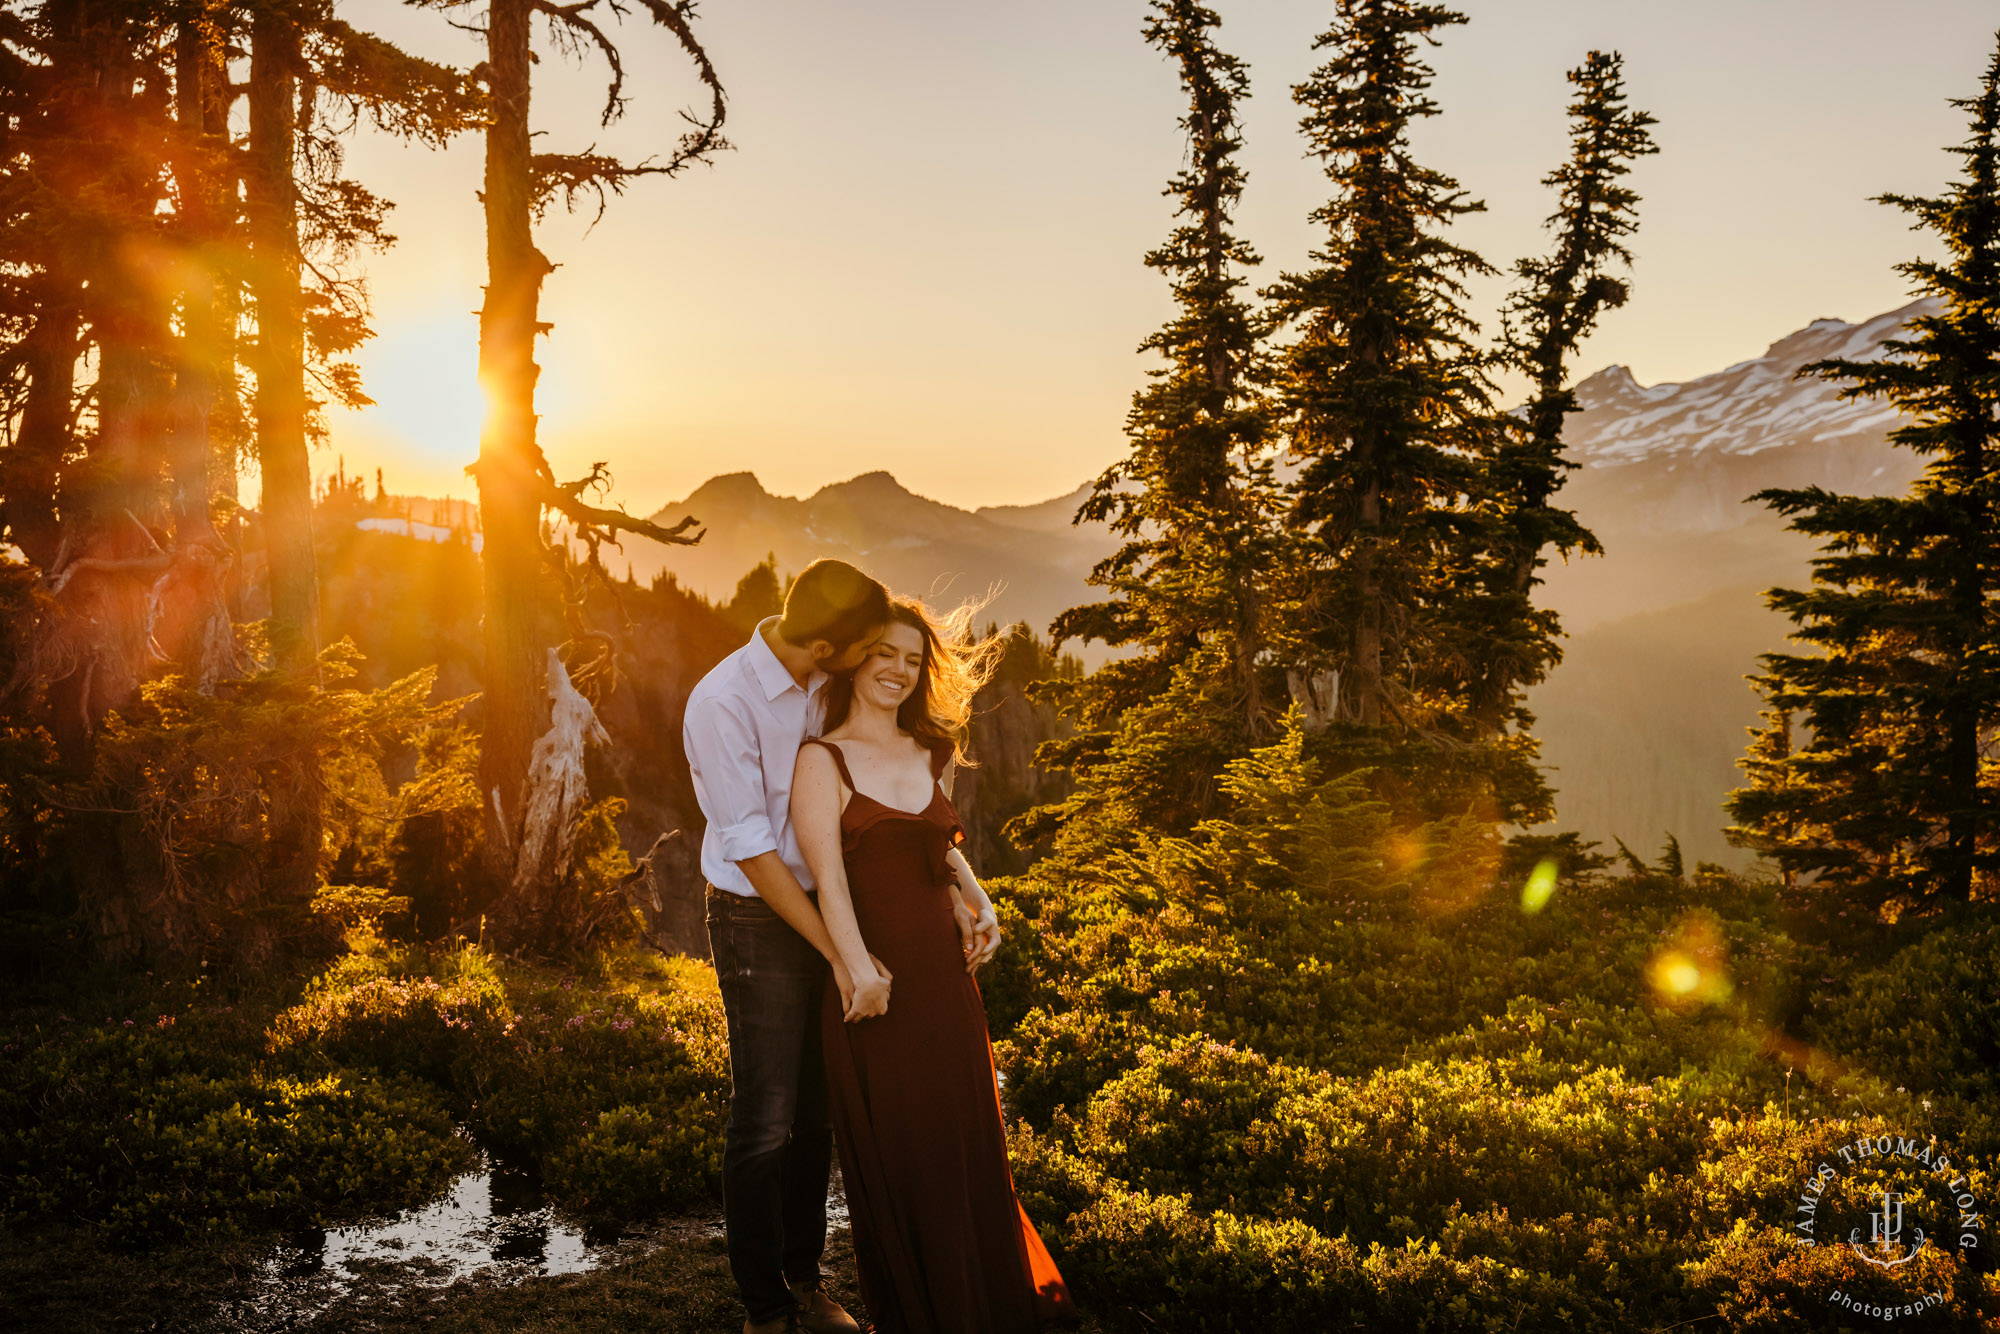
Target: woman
939	1239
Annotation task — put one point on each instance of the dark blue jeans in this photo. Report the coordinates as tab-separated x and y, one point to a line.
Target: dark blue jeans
778	1155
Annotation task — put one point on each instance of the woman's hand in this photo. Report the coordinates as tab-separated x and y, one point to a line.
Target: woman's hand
845	980
868	996
978	928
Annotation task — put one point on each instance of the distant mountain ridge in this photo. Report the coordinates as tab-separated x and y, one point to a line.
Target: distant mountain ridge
1665	470
1660	464
1030	556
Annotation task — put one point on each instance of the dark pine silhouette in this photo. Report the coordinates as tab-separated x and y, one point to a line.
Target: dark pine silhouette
1192	499
1894	796
1515	643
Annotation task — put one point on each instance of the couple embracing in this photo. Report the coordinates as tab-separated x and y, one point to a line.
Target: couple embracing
846	928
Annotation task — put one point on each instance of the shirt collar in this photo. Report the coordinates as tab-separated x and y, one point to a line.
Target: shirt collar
772	674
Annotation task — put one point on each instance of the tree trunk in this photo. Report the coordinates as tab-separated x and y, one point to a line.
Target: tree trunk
104	577
1964	753
31	468
194	596
292	856
104	573
271	205
522	619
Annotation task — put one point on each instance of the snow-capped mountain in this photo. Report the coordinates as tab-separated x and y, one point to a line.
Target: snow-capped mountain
1643	721
1751	407
1666	471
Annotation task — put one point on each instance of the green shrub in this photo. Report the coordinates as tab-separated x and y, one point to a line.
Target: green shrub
618	1095
1181	1269
154	1136
1387	1157
361	1012
1758	1280
357	1097
1312	1065
1924	1020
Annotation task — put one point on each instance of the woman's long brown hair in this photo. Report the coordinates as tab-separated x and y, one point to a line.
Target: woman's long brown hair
938	712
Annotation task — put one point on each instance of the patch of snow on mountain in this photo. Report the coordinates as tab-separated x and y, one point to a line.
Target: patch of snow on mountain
1750	407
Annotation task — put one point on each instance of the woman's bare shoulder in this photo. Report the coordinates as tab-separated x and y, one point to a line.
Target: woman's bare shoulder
815	758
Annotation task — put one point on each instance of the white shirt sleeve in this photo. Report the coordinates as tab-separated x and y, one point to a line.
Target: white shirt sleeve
725	759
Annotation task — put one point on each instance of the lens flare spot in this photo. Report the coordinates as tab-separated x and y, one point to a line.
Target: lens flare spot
1676	974
1692	966
1541	886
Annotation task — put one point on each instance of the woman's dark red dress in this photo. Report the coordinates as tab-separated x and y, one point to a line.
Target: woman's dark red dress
942	1245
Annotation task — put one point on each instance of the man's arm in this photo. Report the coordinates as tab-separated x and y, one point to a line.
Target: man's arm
777	886
727	763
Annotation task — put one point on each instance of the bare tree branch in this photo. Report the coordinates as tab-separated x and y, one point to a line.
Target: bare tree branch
571	26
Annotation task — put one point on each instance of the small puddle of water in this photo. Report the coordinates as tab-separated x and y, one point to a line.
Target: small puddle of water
490	1223
487	1218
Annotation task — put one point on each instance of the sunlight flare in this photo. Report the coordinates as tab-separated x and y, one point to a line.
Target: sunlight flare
1541	886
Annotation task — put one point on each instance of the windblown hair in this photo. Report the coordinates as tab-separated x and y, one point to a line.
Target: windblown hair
938	712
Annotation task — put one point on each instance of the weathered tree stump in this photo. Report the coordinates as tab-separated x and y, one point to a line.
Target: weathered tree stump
670	894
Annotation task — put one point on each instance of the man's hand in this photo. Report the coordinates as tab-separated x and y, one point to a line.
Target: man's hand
983	939
869	998
968	943
845	981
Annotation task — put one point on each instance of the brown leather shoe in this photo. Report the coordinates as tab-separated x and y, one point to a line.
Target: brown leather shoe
821	1314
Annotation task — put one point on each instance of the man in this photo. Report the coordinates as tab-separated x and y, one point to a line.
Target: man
744	724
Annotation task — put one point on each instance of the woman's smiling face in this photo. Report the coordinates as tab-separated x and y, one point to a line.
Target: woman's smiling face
888	675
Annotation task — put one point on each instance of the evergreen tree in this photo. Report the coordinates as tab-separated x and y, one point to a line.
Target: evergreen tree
126	249
1189	586
1390	406
1766	764
271	208
1512	643
1390	410
304	221
1896	795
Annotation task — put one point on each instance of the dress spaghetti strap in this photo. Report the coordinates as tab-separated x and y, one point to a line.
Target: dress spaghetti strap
839	760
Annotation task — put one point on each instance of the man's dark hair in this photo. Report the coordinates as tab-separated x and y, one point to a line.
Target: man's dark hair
833	601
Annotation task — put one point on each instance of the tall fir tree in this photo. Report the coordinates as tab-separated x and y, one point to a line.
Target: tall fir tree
1896	794
271	210
1390	406
1511	643
1193	498
1390	411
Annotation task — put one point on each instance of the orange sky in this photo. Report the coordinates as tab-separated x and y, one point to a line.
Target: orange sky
924	253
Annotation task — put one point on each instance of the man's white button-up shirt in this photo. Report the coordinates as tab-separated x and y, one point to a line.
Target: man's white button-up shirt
744	724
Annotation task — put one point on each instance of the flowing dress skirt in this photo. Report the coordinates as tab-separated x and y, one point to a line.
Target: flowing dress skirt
941	1243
